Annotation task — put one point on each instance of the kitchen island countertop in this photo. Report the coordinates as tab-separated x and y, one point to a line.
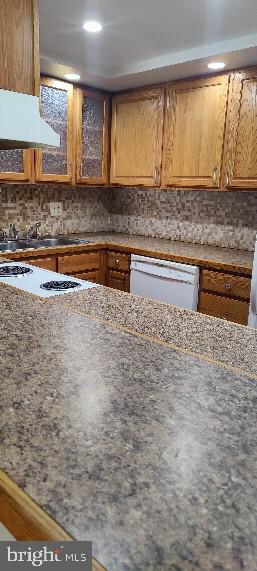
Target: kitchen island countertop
144	449
217	340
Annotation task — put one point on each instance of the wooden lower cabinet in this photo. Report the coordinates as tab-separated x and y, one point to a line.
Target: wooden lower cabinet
79	263
49	263
118	280
225	295
227	284
118	261
89	276
223	307
118	270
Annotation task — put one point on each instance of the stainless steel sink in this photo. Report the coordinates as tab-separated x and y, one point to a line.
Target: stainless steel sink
13	245
26	244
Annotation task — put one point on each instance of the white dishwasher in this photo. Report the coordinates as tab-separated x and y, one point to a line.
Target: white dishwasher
165	281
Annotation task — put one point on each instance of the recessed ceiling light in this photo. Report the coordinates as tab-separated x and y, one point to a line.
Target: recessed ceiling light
216	65
92	26
72	76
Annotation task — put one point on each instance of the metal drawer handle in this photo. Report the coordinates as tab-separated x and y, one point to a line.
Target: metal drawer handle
156	175
227	286
117	261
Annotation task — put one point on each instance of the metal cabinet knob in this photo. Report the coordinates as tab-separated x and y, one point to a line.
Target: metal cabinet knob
227	286
117	262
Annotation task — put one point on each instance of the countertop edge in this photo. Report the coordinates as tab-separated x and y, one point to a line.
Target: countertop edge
26	520
117	246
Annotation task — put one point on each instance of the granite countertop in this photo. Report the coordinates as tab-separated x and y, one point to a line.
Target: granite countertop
193	253
208	256
228	343
146	450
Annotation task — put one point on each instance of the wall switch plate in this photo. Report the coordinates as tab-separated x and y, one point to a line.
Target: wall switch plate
56	209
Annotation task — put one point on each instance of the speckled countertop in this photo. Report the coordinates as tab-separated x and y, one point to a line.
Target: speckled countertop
185	252
208	256
230	344
196	253
146	450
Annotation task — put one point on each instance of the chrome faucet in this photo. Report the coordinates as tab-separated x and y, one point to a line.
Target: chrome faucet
27	233
36	230
3	235
13	232
37	225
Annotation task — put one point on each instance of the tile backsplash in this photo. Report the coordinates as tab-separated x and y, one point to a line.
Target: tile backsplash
84	209
221	219
202	217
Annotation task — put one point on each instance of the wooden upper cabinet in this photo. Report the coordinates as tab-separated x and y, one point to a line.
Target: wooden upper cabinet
19	46
137	131
55	164
19	71
91	136
194	133
16	165
240	154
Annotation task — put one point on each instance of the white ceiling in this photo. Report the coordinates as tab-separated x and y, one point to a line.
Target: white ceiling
145	41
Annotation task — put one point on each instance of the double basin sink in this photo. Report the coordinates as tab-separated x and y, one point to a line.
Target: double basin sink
33	243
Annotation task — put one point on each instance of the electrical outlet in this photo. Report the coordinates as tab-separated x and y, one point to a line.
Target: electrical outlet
56	209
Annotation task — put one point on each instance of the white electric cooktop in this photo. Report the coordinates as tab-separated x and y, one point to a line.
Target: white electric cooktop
43	283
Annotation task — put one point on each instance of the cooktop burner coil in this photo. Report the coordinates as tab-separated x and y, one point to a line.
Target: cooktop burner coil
60	285
14	271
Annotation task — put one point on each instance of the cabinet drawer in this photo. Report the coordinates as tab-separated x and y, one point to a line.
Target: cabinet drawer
45	263
224	307
118	280
227	284
89	276
118	261
75	263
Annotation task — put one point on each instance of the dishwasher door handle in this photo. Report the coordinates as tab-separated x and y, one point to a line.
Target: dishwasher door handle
166	273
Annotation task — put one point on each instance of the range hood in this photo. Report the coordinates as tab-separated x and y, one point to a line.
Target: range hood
21	126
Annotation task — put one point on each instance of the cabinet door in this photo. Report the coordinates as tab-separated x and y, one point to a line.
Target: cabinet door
92	125
137	130
16	165
48	263
240	164
223	307
55	164
76	263
93	276
194	133
118	280
19	46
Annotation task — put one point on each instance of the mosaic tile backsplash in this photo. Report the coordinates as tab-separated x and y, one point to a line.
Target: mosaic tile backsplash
220	219
201	217
84	209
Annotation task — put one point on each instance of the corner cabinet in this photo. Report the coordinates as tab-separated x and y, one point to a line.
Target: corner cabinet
240	154
55	164
92	137
137	132
194	133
